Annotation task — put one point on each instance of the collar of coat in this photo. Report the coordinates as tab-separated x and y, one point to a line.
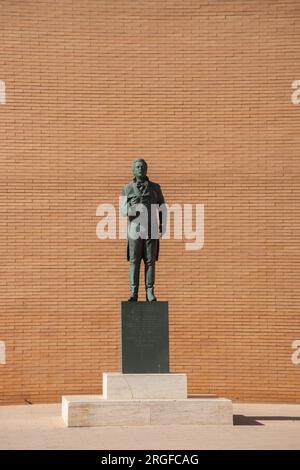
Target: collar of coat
135	180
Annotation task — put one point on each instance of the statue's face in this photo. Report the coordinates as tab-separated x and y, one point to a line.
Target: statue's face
140	169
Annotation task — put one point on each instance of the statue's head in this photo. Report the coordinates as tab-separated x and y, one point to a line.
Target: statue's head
139	168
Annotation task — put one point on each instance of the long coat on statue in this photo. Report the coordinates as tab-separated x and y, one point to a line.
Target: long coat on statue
147	193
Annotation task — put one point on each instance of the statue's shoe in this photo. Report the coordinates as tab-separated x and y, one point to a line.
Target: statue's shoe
150	295
133	298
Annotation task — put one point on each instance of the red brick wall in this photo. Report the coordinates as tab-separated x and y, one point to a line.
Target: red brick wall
202	90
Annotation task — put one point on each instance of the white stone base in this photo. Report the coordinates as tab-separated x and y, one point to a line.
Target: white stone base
87	410
118	386
143	399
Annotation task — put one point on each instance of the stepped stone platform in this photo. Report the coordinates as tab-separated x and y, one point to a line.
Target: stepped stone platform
144	399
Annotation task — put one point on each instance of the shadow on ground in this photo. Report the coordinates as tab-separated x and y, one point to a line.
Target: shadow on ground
241	420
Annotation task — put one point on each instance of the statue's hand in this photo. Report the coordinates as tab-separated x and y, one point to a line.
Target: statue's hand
135	200
162	231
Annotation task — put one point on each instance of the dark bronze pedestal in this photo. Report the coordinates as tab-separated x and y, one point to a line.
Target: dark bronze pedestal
144	337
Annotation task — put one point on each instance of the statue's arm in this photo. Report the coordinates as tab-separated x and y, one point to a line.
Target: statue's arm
162	208
124	203
127	209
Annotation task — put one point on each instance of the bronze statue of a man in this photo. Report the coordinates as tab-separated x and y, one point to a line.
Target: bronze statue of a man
143	203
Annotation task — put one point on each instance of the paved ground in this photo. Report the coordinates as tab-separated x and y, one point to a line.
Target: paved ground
256	427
